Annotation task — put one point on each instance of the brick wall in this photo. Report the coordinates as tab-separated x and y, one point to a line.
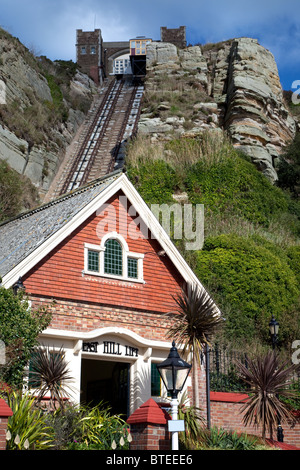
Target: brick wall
89	62
5	412
150	437
227	414
85	316
176	36
3	428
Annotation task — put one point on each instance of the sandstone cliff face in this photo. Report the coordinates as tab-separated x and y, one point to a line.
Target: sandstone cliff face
239	91
28	102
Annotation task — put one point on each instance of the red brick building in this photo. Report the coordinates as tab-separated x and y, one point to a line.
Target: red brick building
102	257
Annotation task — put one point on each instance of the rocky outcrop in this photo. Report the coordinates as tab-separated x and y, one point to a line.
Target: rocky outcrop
256	116
241	93
32	140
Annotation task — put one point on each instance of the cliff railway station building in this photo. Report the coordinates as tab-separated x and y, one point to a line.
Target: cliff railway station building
102	264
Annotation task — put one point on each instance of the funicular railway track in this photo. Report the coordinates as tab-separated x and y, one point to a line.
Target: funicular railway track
113	122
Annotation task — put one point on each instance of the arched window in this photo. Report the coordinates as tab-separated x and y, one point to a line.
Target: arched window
113	257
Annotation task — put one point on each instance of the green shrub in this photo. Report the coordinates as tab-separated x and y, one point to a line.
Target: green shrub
64	423
17	193
155	180
250	279
293	255
97	429
10	191
84	428
218	438
289	167
235	186
250	260
20	327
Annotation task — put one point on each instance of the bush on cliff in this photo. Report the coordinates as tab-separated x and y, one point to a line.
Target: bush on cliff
250	282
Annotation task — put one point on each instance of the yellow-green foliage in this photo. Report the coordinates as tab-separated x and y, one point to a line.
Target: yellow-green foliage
27	426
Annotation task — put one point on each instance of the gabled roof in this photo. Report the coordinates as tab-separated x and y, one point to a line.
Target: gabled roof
28	238
20	236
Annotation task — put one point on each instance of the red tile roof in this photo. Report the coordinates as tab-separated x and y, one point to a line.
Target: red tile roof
150	412
5	410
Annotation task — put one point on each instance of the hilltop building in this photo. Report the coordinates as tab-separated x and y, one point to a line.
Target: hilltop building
99	59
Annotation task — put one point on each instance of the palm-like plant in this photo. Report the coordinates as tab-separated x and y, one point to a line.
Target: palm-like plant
269	379
50	375
192	421
195	321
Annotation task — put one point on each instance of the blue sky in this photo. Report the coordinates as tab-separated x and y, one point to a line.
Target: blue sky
49	26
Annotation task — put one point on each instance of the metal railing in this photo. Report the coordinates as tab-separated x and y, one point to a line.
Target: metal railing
223	369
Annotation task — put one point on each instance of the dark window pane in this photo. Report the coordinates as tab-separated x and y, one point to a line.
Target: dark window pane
113	258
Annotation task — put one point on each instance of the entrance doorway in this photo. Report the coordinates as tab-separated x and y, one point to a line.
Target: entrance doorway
106	381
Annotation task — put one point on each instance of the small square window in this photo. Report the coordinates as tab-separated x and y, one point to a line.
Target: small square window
132	268
155	381
83	50
93	261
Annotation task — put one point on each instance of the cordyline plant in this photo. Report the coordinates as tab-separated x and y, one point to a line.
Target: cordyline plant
196	320
269	379
50	375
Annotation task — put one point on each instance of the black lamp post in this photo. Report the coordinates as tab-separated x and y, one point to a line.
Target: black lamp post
18	286
174	372
274	328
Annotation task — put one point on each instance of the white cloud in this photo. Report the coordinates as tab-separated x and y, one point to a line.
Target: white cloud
50	25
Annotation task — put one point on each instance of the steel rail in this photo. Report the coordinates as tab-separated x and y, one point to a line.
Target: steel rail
122	130
91	160
88	140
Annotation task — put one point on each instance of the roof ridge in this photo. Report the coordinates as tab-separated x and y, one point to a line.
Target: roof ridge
63	197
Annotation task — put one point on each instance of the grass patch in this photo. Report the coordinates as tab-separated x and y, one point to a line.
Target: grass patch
17	193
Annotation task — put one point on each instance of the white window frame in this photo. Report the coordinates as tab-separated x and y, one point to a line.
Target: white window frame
125	255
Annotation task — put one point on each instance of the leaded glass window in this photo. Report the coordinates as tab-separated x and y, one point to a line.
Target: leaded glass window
132	264
93	260
113	258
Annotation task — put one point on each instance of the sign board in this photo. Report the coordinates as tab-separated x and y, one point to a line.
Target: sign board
176	425
111	348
